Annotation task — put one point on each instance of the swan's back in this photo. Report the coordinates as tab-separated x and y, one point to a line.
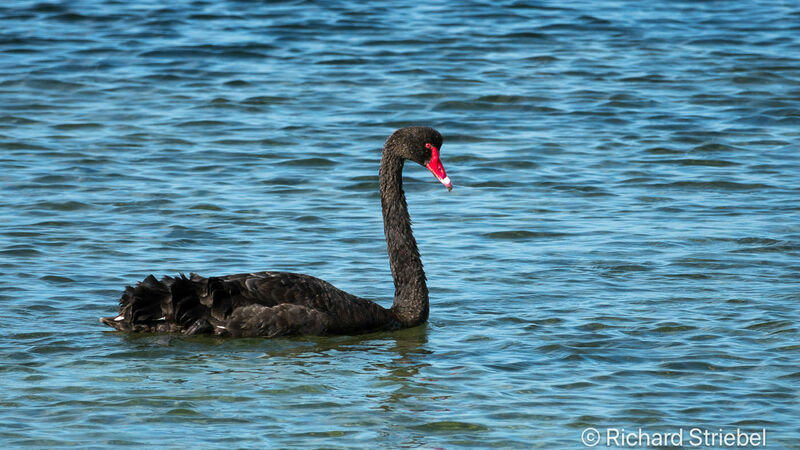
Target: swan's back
252	304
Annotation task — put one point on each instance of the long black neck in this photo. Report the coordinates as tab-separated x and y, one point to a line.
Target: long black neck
410	305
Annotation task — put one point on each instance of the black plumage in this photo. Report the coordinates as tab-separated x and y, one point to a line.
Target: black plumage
272	304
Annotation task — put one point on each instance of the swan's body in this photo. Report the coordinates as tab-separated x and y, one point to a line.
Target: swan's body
272	304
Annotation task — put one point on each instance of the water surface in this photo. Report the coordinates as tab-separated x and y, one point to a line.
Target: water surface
621	249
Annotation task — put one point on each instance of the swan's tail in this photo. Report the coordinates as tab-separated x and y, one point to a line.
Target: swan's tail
169	305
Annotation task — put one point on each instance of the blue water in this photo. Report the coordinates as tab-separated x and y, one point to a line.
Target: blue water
621	249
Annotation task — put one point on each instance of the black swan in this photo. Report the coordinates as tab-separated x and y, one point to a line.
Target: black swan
272	304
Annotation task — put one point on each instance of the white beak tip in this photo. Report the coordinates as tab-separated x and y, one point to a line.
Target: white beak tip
446	182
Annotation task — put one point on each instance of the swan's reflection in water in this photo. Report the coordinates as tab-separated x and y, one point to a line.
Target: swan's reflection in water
390	357
372	384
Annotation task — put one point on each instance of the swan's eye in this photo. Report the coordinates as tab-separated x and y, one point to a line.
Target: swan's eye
428	145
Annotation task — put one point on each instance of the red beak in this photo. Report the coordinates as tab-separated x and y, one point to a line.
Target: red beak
437	169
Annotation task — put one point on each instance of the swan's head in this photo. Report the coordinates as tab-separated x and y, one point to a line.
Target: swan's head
421	145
